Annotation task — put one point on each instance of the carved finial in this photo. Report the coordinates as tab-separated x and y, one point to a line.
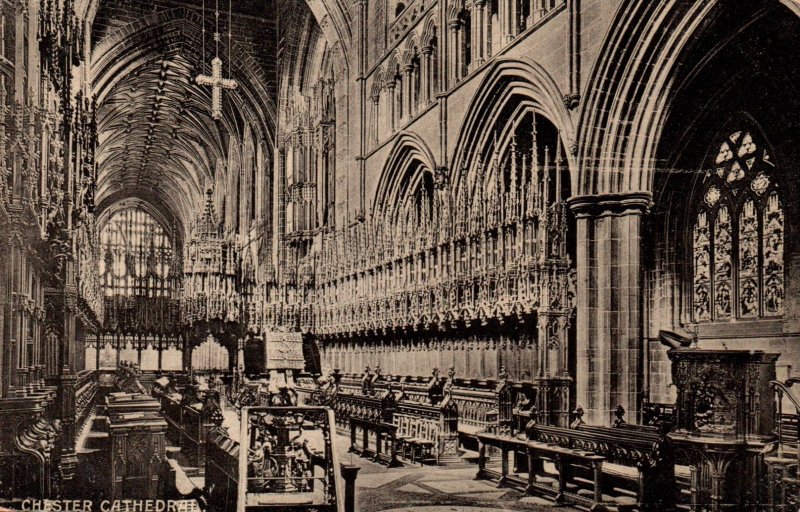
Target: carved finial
503	374
619	412
578	417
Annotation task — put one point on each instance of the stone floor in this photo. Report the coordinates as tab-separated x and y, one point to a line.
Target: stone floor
414	487
431	488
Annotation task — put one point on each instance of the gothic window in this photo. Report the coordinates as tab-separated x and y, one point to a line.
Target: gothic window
466	27
738	234
523	12
137	255
434	67
416	78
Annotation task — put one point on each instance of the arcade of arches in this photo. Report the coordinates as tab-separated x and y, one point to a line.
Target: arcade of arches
523	214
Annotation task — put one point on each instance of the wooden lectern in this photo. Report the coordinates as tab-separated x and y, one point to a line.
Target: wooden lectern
725	422
137	446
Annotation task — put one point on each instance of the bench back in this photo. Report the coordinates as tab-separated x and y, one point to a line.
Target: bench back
417	427
622	446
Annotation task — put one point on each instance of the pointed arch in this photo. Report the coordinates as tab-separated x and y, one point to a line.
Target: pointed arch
408	148
652	50
509	80
429	30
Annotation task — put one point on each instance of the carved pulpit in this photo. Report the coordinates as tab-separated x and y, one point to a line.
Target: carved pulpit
137	446
725	420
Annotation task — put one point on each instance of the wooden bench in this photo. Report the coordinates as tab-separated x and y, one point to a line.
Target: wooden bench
428	433
366	418
188	416
417	436
629	453
382	449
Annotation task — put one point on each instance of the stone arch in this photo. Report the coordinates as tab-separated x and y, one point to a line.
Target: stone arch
392	65
506	80
377	82
642	66
429	30
408	53
408	148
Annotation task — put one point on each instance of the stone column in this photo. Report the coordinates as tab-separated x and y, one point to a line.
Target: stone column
479	29
511	20
456	53
410	90
609	303
376	127
427	74
393	102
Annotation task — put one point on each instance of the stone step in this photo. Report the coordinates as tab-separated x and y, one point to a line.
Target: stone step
469	456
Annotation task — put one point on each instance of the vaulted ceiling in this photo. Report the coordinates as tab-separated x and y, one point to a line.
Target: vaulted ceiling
158	144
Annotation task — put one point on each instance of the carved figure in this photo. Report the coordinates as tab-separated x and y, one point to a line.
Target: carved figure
435	388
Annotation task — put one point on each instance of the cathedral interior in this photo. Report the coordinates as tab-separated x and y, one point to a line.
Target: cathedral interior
412	254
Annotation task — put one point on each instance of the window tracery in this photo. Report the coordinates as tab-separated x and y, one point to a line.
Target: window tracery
137	255
738	234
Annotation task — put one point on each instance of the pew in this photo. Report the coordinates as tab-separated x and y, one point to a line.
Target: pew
428	433
371	417
615	466
383	448
477	401
188	415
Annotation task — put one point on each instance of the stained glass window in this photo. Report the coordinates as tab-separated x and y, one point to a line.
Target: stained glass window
722	264
772	269
738	234
137	255
702	265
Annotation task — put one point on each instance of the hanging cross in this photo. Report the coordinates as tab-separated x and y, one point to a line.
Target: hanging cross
217	83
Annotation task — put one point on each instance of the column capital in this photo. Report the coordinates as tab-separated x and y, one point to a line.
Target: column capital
611	204
454	24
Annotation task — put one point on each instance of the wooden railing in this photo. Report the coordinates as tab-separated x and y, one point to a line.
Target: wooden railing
222	470
783	465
